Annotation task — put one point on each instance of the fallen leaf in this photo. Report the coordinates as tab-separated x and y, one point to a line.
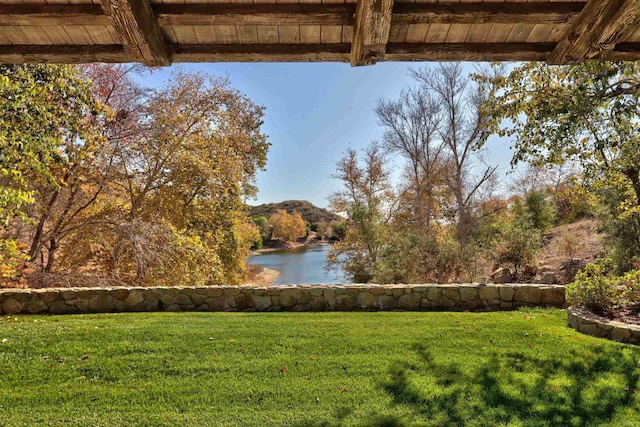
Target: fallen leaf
283	369
312	357
344	390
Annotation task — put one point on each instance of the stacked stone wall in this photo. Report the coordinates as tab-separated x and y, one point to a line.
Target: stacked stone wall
584	321
472	297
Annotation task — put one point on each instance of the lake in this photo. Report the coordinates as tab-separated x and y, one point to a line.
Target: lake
304	265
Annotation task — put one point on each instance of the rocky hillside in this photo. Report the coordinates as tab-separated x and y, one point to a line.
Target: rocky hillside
566	249
309	212
569	247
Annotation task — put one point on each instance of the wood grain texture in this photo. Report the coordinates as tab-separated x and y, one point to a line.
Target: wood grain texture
595	32
468	51
140	34
274	52
371	31
479	13
255	14
62	54
52	15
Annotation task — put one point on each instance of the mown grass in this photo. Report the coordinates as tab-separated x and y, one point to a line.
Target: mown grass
304	369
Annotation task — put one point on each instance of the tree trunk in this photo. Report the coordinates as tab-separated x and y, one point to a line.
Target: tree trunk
36	242
53	246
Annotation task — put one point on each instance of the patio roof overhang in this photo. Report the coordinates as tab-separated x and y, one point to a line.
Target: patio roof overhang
362	32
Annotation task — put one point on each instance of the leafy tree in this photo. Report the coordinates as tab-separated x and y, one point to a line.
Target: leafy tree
287	227
127	184
365	199
339	229
585	113
539	210
518	244
48	144
187	153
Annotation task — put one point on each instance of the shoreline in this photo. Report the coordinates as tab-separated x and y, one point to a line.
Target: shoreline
291	246
265	277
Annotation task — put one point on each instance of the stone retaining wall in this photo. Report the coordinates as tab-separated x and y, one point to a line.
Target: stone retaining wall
584	321
280	298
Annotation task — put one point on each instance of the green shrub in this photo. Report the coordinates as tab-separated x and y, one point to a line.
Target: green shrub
596	288
539	210
518	244
257	244
629	284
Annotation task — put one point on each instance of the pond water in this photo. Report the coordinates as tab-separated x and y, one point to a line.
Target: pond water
304	265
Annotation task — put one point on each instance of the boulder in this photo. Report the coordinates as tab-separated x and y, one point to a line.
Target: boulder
548	278
502	275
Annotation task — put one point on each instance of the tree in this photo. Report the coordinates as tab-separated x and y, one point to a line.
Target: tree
585	113
365	199
48	157
287	227
188	153
129	185
462	130
411	130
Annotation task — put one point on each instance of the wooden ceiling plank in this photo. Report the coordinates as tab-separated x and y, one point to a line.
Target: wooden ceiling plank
468	51
479	13
140	33
371	31
625	52
343	14
62	54
274	52
596	31
255	14
52	14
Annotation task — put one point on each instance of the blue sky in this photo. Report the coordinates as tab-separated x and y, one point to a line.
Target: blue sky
314	112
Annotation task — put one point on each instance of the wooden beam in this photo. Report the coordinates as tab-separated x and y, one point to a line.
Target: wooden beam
59	54
595	32
276	52
255	14
468	51
479	13
294	14
52	14
139	31
625	52
371	31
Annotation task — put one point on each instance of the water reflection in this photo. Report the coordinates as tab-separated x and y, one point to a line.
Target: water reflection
300	266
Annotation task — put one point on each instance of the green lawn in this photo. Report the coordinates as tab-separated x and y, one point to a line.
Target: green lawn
304	369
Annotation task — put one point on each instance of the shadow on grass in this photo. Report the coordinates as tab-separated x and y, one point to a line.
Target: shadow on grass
571	389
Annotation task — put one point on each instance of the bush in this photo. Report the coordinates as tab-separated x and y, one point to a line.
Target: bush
629	284
257	244
518	244
540	210
596	288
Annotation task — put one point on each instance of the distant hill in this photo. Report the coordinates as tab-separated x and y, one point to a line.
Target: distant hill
309	212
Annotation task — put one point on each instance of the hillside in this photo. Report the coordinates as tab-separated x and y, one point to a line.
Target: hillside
307	210
569	247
